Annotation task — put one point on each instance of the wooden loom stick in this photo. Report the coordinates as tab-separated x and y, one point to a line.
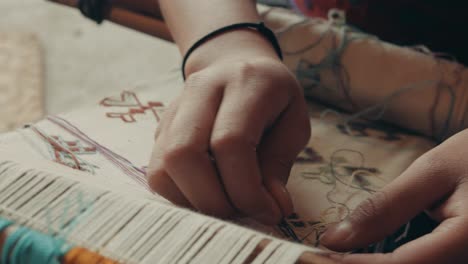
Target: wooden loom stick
140	22
146	7
148	25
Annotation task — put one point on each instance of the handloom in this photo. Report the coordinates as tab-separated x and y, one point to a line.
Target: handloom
80	176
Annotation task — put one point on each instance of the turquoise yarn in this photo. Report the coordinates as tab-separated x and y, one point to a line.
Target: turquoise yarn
26	246
10	242
4	224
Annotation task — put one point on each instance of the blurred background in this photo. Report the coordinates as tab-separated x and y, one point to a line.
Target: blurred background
54	60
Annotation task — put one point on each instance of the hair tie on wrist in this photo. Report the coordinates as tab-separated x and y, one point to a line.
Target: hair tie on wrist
260	27
93	9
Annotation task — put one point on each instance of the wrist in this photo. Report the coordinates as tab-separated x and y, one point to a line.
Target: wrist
234	45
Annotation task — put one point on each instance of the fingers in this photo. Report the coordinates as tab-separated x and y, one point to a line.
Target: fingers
161	183
425	182
158	179
183	152
279	150
230	120
446	244
167	117
242	118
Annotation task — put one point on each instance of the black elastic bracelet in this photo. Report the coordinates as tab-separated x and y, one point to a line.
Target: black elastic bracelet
260	27
93	9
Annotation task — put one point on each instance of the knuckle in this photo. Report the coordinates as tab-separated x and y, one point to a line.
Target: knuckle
155	168
254	70
371	208
433	164
247	199
175	152
255	205
266	78
156	179
249	68
197	79
225	141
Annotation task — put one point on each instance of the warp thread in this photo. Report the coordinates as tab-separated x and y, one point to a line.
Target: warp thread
26	246
122	163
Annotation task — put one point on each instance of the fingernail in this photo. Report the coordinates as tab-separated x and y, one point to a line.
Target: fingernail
339	232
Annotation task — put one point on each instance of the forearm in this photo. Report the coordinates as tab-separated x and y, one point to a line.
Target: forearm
190	20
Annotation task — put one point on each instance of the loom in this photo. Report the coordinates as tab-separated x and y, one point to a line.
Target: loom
77	182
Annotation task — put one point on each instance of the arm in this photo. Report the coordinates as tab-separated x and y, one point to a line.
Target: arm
188	21
226	145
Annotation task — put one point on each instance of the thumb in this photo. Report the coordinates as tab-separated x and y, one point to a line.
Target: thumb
418	188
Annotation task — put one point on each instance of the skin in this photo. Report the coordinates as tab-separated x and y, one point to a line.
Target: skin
436	182
226	145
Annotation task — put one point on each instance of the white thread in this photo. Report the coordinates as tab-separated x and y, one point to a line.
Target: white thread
214	226
289	254
277	254
44	198
267	252
236	248
132	233
183	251
127	229
216	247
175	243
247	250
222	249
159	234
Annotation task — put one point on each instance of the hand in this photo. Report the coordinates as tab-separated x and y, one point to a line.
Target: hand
226	145
436	182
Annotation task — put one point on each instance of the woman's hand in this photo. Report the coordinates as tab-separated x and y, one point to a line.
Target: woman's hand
436	182
226	145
